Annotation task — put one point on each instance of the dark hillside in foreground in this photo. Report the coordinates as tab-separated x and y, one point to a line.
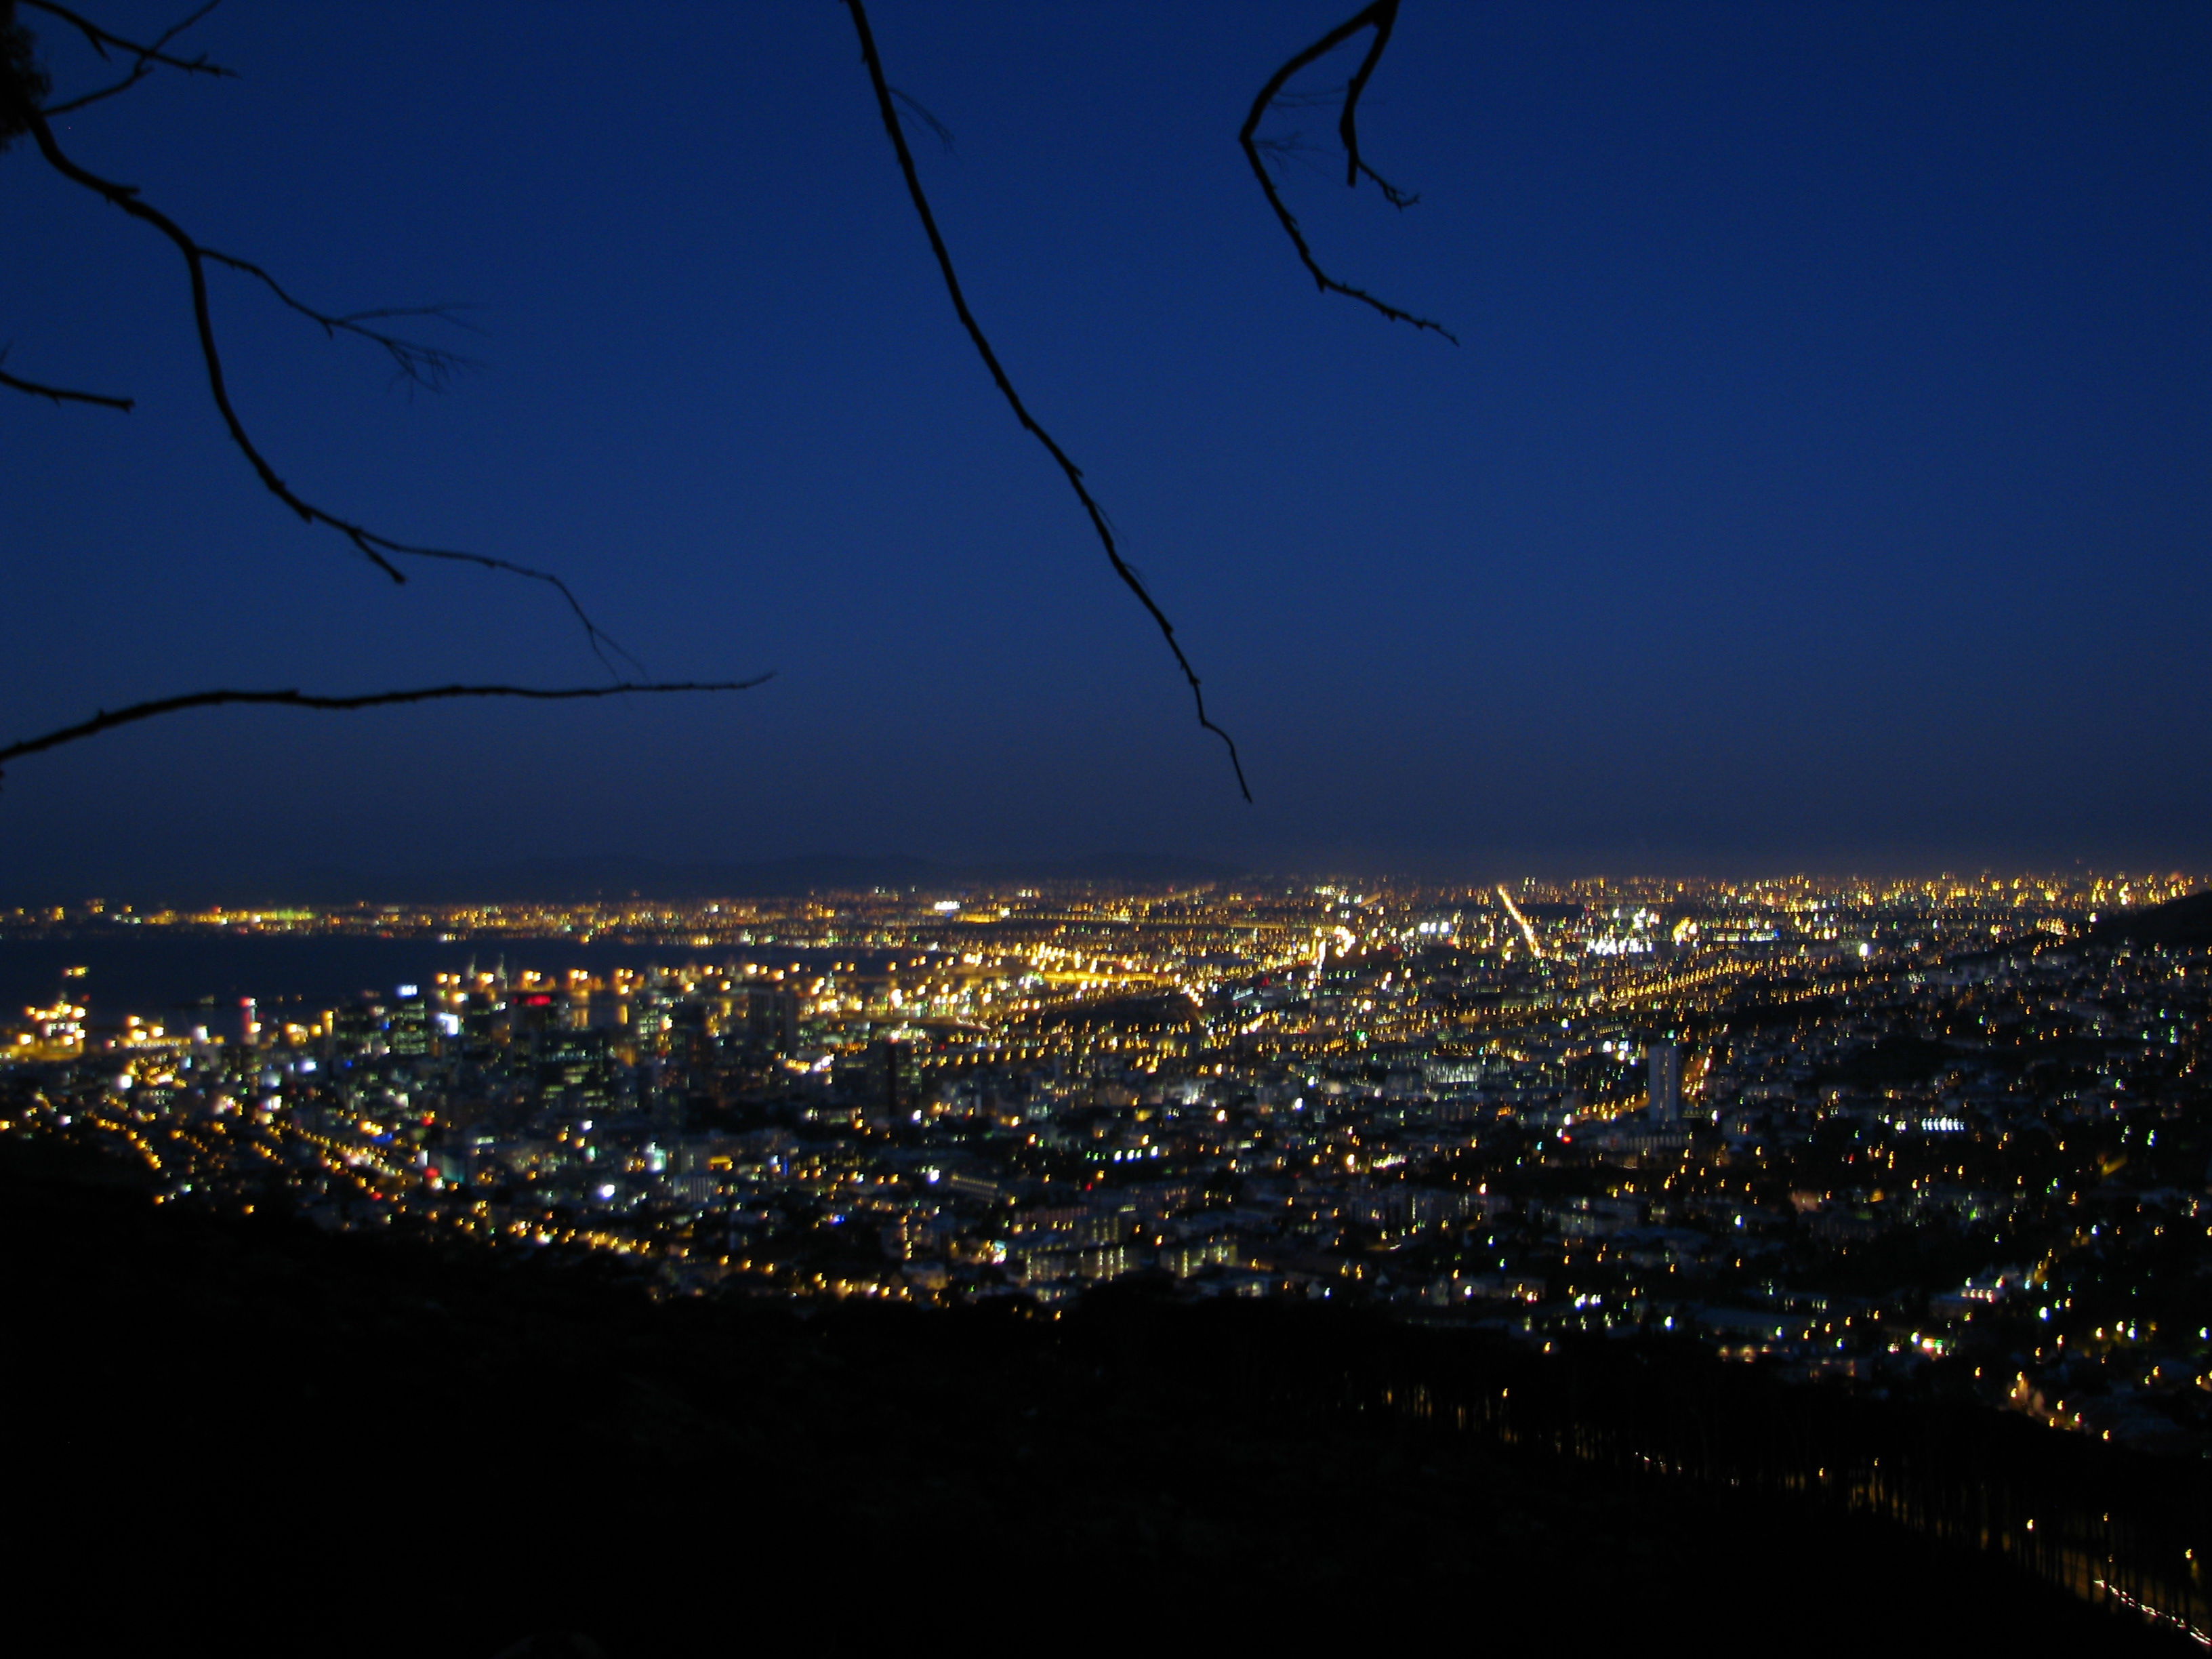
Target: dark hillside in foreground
2181	921
246	1437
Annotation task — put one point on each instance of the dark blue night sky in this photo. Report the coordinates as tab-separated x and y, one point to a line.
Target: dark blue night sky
1822	479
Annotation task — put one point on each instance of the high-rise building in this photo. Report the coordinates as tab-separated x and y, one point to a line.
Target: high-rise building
408	1029
573	1072
767	1018
886	1079
1662	1068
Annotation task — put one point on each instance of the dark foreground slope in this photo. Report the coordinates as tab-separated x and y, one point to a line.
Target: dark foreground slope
2181	922
248	1438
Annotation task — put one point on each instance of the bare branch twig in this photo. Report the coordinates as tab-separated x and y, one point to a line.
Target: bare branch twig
1380	16
1348	124
921	115
887	106
422	364
70	105
379	549
1319	98
108	719
60	394
101	40
142	66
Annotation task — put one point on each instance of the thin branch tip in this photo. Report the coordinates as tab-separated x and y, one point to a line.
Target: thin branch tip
100	40
380	550
887	102
62	394
105	721
1380	16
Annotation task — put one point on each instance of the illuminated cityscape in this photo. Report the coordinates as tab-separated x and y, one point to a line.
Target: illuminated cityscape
804	810
1946	1133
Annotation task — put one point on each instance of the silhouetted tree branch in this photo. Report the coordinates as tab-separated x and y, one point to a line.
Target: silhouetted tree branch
108	719
24	108
23	83
1348	124
887	102
379	550
60	394
101	39
145	58
921	115
1380	16
432	367
372	546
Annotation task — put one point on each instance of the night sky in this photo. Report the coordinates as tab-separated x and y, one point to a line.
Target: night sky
1821	481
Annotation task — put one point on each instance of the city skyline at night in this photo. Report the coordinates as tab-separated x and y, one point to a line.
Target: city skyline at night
844	825
1938	1142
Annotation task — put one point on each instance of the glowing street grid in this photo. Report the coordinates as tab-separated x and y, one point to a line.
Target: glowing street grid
1951	1130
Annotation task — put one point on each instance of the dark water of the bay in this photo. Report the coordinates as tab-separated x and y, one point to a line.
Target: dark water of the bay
178	979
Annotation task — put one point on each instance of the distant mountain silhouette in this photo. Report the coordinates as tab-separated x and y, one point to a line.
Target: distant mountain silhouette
575	880
2177	922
